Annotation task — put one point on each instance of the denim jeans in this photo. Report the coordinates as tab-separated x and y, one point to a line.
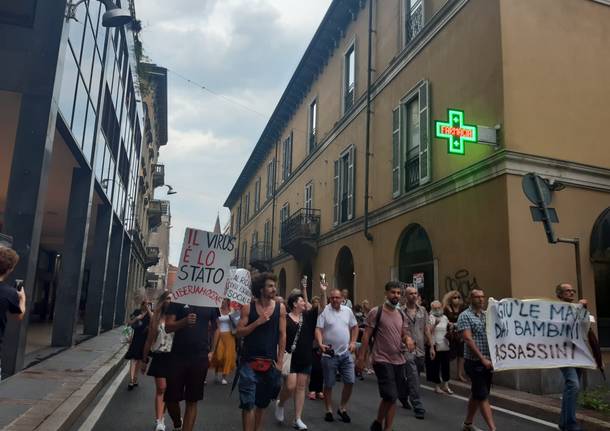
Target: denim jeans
567	419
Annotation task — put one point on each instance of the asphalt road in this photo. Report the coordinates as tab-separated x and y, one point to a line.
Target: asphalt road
133	411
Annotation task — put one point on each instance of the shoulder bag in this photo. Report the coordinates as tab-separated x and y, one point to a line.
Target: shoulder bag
288	355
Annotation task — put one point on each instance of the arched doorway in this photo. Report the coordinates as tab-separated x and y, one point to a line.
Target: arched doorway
344	271
416	262
282	283
600	258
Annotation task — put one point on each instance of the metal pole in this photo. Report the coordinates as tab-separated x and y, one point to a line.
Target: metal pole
576	243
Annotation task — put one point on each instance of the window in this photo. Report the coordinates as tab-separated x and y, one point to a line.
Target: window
344	184
270	178
257	195
267	238
287	158
414	18
244	253
349	78
239	217
284	212
396	152
313	126
308	204
254	238
231	231
247	208
410	141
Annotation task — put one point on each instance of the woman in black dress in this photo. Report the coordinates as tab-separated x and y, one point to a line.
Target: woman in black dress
301	322
139	321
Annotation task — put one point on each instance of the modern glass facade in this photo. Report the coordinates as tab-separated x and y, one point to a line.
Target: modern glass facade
79	218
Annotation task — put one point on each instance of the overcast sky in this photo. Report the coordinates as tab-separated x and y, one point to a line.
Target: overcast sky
244	50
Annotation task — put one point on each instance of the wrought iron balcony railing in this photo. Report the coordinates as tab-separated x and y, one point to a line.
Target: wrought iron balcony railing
152	256
302	225
158	175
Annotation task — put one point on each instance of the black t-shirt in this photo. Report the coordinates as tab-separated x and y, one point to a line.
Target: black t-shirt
194	340
140	326
9	303
302	355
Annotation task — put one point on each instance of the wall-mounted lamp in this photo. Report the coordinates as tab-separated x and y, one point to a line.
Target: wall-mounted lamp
113	17
170	190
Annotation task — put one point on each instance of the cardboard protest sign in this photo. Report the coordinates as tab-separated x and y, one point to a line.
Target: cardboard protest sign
238	287
535	333
203	269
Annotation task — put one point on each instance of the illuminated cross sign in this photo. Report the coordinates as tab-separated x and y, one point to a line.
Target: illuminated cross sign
456	132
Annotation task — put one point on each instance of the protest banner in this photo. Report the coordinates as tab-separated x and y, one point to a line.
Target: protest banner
203	269
238	287
537	334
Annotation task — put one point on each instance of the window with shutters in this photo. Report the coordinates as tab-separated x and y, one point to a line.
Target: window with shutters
287	158
267	238
349	78
344	185
411	141
313	126
308	204
254	238
244	254
239	217
270	178
284	212
247	208
257	195
396	152
414	18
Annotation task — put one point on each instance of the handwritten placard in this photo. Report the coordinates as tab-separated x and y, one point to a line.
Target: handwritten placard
534	333
204	268
238	287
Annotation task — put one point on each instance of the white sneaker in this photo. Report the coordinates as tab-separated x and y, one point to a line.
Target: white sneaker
470	427
279	412
224	382
299	425
159	425
447	389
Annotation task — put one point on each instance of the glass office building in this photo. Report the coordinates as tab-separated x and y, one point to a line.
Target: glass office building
74	182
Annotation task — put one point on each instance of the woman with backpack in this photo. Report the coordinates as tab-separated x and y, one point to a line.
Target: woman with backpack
225	354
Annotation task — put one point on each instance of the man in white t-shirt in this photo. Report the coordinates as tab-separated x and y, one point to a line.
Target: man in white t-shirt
336	334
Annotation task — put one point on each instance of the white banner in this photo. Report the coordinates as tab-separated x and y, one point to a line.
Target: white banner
203	269
536	333
238	287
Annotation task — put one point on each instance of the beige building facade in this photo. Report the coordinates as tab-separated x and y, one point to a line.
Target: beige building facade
349	179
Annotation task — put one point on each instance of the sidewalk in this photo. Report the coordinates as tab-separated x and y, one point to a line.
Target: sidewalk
539	406
50	395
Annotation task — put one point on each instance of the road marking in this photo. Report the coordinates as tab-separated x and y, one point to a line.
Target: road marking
503	410
97	412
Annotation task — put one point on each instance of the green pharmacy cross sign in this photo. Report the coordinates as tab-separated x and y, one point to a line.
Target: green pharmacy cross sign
456	132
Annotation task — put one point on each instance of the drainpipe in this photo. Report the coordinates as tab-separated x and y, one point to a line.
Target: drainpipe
367	234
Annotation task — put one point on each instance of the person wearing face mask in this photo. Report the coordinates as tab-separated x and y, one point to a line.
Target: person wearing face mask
387	337
438	369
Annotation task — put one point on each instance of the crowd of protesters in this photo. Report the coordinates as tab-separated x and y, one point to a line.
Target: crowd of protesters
292	349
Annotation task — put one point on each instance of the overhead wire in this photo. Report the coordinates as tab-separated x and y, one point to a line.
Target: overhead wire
227	98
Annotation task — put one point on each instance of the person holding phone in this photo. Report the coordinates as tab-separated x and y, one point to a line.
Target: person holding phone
12	297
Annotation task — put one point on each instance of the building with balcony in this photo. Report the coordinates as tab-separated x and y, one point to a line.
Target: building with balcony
354	141
76	127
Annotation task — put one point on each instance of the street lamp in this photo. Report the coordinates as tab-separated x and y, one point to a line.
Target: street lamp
113	17
170	190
